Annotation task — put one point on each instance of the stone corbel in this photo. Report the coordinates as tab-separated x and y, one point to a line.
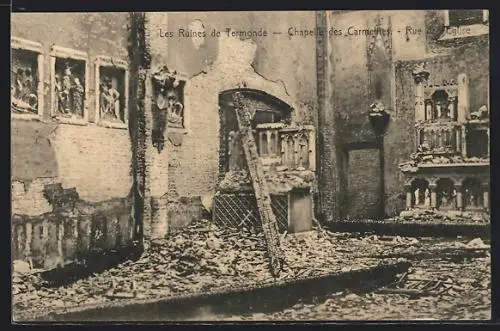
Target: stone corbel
165	103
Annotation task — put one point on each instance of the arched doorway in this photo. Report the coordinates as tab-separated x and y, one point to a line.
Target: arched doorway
420	193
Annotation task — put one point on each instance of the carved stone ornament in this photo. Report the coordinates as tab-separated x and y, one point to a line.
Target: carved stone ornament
420	73
167	104
379	117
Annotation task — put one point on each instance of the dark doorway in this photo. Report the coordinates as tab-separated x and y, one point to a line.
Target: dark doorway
363	192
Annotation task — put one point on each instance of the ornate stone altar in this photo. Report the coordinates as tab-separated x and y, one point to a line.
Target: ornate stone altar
287	155
450	166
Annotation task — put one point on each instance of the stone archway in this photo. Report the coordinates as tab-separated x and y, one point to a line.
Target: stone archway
267	109
420	193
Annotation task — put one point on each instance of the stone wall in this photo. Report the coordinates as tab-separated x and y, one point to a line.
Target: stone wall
219	64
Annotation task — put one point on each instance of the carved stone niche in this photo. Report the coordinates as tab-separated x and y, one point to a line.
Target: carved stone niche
112	96
69	84
26	83
168	104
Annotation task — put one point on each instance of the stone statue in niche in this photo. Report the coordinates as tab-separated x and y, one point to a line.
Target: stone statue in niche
428	110
451	108
77	97
109	100
445	198
168	105
427	199
417	196
70	93
23	92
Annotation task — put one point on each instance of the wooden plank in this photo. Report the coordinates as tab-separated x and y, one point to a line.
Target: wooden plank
267	217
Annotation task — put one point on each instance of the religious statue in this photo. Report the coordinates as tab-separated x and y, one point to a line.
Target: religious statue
438	110
63	88
70	93
454	197
109	100
425	145
444	199
77	97
428	111
451	107
23	92
427	199
417	196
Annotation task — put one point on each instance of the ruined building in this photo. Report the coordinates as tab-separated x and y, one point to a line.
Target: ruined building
431	76
362	126
71	149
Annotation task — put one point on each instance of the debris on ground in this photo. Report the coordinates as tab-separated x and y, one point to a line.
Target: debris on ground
436	216
204	257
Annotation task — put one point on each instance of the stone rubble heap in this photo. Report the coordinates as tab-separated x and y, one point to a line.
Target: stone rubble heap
452	217
198	259
203	257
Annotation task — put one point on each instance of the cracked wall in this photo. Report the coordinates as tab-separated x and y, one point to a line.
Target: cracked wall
220	64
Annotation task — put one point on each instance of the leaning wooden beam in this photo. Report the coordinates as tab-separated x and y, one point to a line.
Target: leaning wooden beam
267	217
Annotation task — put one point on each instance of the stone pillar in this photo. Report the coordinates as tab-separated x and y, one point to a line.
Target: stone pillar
156	158
420	75
460	200
463	141
408	197
488	133
486	197
433	188
463	98
446	15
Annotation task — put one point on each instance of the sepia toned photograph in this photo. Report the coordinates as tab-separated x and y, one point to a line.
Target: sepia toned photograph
329	165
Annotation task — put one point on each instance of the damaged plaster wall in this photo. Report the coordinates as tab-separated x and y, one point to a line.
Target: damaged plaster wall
220	64
98	171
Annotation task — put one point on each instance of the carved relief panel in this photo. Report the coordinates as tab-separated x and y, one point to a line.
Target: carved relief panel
26	83
168	104
69	83
112	86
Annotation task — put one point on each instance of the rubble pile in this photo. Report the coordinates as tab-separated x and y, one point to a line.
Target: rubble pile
236	181
435	216
426	158
202	258
278	181
198	259
464	291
